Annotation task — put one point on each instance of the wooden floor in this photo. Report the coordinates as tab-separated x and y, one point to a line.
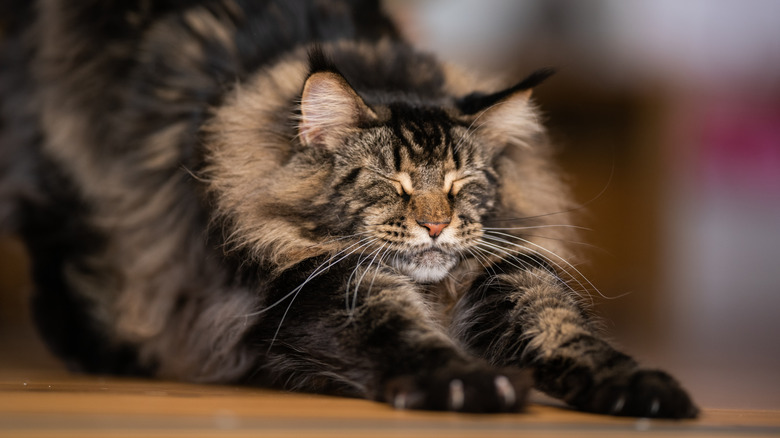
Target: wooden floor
53	403
38	398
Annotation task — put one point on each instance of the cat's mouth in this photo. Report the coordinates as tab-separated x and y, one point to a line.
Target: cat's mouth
428	265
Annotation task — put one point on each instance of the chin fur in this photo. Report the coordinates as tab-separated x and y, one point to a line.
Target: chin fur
430	266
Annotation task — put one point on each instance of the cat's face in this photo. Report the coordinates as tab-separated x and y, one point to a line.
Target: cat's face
411	183
420	190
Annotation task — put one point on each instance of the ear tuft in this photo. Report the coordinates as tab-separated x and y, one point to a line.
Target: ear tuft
319	62
476	102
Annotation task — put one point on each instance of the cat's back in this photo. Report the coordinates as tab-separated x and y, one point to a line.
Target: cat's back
102	109
87	83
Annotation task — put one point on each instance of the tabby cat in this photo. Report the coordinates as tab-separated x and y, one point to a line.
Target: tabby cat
285	193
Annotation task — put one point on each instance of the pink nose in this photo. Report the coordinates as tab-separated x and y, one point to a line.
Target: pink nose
434	228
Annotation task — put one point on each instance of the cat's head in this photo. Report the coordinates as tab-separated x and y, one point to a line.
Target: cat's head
412	179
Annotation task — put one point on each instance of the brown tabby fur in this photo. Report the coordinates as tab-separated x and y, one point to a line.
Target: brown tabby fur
285	193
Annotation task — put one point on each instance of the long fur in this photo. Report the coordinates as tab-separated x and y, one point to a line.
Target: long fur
285	193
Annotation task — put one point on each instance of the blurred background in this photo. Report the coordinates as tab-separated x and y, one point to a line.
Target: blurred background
667	115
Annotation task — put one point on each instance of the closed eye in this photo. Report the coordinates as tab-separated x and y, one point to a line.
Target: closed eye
458	184
453	183
401	181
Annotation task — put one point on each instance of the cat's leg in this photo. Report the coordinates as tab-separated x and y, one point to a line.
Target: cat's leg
521	314
369	333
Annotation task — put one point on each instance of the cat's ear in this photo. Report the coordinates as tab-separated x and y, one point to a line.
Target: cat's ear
330	108
506	116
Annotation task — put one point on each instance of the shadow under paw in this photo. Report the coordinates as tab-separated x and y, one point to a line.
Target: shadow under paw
643	393
463	391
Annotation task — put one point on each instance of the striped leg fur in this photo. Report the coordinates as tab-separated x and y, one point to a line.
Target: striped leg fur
529	318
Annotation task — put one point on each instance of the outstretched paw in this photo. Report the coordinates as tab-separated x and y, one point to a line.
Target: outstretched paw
643	393
463	391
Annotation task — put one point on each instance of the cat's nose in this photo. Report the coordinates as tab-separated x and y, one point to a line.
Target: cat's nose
434	228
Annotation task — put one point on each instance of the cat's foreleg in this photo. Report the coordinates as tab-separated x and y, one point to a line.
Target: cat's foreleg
526	316
369	333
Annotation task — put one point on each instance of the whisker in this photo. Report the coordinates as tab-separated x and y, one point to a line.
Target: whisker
476	257
339	238
491	268
569	210
357	286
539	236
484	261
298	289
553	262
574	268
530	227
376	270
360	261
523	264
321	268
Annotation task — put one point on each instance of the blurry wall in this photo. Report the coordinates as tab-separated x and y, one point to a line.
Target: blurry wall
673	110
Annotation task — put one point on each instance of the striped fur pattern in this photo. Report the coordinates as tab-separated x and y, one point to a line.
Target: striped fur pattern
284	193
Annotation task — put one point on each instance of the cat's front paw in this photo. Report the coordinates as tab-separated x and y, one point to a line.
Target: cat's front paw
643	393
463	391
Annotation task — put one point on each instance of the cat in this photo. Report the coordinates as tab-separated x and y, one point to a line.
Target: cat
287	194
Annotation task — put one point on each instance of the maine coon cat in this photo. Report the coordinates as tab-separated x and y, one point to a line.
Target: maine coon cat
285	193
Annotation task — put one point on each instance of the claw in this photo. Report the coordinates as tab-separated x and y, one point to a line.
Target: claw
399	402
619	403
505	390
457	395
654	407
